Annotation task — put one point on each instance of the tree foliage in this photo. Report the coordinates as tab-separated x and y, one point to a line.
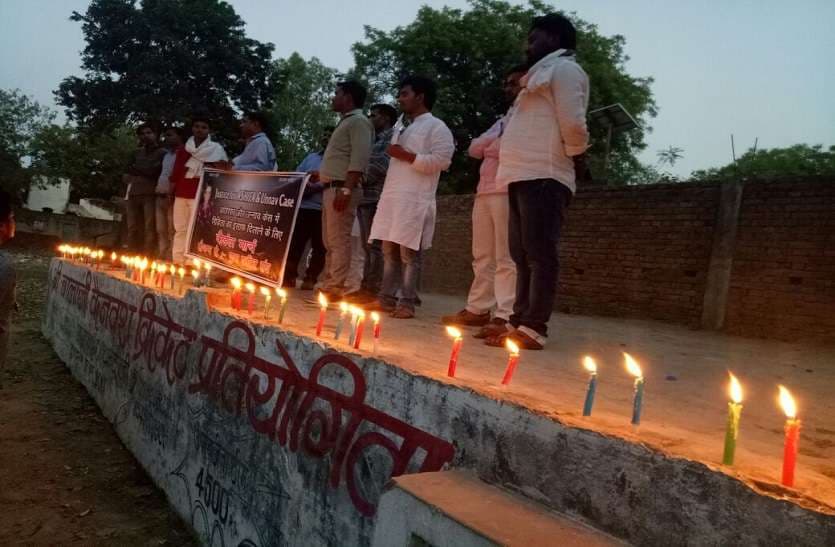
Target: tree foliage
302	107
21	118
799	159
468	52
162	60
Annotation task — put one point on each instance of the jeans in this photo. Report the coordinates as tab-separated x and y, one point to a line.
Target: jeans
308	228
165	227
537	208
401	268
372	276
336	235
141	216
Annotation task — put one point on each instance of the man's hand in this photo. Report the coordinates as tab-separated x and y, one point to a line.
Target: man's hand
341	200
581	169
397	151
314	176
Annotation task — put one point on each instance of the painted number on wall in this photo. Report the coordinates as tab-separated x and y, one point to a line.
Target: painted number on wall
214	496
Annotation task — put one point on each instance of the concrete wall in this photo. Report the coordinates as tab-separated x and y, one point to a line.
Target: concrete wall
260	436
68	228
658	252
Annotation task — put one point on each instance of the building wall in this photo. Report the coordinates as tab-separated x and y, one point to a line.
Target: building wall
644	252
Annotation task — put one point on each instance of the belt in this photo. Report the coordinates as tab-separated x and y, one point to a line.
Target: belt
335	183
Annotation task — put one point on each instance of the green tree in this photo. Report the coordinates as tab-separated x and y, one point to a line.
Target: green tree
302	107
163	60
468	52
93	161
21	118
799	159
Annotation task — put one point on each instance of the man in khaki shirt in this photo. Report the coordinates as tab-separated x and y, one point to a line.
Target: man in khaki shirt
343	165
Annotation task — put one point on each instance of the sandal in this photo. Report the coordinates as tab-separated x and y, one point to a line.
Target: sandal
522	337
402	312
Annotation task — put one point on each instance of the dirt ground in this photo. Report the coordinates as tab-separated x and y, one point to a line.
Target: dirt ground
65	478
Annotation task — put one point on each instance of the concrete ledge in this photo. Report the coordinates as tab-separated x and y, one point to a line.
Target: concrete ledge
455	509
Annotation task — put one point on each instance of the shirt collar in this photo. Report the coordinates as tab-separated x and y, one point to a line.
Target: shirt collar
257	135
351	113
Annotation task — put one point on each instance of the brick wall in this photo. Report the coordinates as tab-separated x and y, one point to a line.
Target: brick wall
783	277
644	251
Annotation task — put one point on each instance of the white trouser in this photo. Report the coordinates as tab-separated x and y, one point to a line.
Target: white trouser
183	208
495	272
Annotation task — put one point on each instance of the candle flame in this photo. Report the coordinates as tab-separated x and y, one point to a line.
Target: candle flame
343	307
113	256
452	331
236	281
101	254
182	272
207	266
590	365
153	266
281	293
196	263
787	402
266	292
736	389
323	301
195	273
512	347
375	317
632	366
250	287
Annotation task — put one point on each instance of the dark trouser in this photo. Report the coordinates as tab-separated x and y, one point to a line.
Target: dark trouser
401	270
308	228
141	212
537	209
372	275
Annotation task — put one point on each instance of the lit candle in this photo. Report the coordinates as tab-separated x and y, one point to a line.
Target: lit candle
512	361
282	295
457	341
792	436
353	332
360	329
590	366
267	297
127	262
152	279
343	309
113	258
250	288
182	273
638	402
173	271
323	303
375	319
142	267
197	266
208	274
732	430
194	277
63	250
236	290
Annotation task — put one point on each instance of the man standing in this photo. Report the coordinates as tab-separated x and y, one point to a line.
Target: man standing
140	194
420	149
541	149
343	165
494	281
199	152
172	141
308	224
8	278
382	118
259	153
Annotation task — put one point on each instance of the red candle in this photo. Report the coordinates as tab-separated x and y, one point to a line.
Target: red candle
360	328
458	341
323	302
236	290
250	287
375	319
512	361
792	436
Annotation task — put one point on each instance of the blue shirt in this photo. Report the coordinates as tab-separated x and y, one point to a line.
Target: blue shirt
164	181
258	155
313	193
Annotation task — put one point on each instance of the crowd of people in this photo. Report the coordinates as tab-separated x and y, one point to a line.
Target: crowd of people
377	175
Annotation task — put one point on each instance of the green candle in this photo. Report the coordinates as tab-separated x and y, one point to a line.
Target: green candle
732	429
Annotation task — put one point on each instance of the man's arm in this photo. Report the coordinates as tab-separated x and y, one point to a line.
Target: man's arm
361	136
480	143
570	89
441	149
255	157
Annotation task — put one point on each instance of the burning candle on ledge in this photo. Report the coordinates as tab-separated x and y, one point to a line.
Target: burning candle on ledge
323	308
353	332
512	361
182	273
457	341
282	296
142	267
375	321
197	267
792	435
250	288
236	290
268	295
208	268
172	270
360	329
343	310
194	277
638	402
113	258
152	279
732	429
590	366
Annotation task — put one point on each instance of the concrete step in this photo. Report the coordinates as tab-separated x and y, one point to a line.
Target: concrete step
456	509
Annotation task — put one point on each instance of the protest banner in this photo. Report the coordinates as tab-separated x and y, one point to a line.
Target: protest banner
243	222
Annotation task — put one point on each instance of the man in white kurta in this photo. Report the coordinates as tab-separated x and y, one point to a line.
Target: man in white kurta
422	147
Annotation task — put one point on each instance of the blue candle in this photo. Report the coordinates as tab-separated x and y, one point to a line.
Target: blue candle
638	402
343	309
591	366
353	333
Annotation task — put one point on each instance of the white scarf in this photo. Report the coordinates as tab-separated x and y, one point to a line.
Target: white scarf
208	152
